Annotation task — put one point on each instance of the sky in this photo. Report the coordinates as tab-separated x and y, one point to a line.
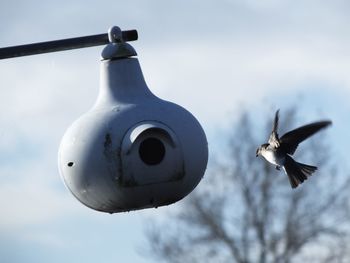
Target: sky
215	58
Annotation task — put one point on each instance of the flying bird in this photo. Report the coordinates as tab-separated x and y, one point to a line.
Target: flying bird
278	151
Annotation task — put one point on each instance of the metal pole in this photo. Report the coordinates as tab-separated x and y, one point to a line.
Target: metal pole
63	44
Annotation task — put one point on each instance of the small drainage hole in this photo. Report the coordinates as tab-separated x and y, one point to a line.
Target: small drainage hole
70	164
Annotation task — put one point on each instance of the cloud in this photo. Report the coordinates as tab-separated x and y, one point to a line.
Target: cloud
31	193
214	77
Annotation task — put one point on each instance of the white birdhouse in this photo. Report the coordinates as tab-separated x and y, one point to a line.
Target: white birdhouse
132	150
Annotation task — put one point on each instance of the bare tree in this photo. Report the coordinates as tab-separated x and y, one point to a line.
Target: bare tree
245	211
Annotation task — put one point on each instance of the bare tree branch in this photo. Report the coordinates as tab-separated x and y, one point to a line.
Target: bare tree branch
247	212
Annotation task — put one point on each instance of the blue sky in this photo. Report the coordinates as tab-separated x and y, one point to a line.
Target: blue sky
215	58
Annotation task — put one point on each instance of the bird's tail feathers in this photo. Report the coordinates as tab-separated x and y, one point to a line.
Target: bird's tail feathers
297	172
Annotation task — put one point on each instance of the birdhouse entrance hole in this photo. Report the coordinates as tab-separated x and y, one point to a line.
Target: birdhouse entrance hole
152	151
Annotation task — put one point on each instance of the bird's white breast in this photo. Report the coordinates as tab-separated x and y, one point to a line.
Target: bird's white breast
271	157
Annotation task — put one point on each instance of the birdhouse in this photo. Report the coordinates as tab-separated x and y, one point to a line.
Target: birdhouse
131	150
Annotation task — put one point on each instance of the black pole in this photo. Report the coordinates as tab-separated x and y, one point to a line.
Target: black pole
61	45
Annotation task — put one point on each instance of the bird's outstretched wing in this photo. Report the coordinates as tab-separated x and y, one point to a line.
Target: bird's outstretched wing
290	141
273	139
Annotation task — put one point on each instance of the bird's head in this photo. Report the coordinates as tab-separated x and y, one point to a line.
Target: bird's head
260	149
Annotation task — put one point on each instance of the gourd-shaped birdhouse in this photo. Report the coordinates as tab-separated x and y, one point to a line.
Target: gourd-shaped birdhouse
131	150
